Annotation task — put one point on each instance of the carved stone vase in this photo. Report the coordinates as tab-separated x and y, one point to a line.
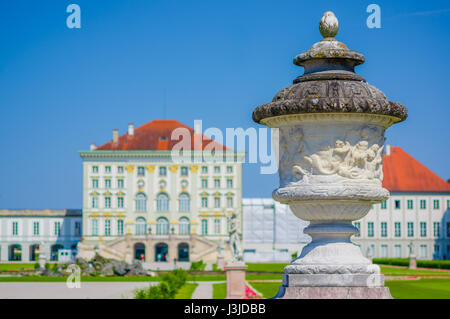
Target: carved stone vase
331	134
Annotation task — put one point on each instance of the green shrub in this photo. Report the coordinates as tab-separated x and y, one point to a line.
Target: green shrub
170	284
391	261
47	266
197	265
37	266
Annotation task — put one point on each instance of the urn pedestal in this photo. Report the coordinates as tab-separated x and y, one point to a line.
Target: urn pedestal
331	126
235	280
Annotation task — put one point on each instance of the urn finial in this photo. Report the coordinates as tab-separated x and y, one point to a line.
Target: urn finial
329	25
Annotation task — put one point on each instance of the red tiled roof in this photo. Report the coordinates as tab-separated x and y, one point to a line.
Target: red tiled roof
403	173
156	135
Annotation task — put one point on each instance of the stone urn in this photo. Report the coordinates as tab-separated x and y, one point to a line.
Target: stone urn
331	136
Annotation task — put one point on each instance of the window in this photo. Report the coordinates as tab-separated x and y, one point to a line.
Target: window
397	204
217	169
229	169
383	229
120	183
141	203
94	226
162	171
397	228
217	183
184	203
437	229
383	205
95	183
437	250
229	183
436	204
36	228
57	228
77	230
398	251
107	202
423	204
410	204
370	229
448	229
229	202
204	183
217	227
140	226
410	229
120	169
107	183
184	171
204	227
162	226
141	171
423	251
384	251
107	169
204	169
448	203
216	202
94	169
94	202
107	227
15	228
119	202
204	202
120	227
162	203
423	229
358	226
183	226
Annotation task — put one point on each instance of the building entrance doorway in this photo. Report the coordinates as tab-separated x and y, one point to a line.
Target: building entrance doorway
139	252
161	251
183	252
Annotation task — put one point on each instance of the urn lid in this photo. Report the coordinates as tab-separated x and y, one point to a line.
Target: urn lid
329	83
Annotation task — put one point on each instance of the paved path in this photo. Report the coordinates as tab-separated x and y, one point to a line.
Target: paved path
59	290
204	289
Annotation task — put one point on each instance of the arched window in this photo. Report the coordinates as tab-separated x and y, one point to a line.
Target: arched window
184	203
140	226
162	226
162	203
184	226
141	203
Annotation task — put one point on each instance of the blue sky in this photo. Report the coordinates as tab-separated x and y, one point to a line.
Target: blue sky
61	88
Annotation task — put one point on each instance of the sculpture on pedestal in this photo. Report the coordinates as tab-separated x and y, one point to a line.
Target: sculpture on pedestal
235	240
331	134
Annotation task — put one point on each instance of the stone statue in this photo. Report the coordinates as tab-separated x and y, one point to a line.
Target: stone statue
412	250
235	240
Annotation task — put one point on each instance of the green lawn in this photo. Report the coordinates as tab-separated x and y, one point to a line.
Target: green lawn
21	266
420	289
267	289
219	291
394	271
266	267
186	291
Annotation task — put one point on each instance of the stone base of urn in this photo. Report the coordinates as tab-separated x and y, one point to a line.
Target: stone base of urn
333	293
412	263
221	262
235	280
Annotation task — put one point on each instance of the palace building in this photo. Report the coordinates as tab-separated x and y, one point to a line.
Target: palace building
142	201
417	211
27	233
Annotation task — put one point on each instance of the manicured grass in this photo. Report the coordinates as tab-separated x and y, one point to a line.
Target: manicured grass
219	291
267	289
266	267
186	291
420	289
6	267
394	271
